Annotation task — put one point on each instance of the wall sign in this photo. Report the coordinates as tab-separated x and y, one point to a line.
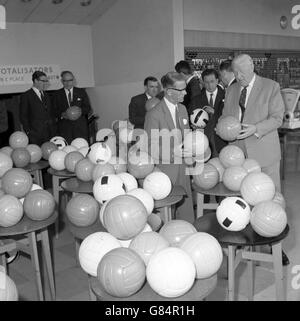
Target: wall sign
21	74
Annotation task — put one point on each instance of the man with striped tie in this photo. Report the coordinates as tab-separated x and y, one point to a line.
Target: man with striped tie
36	112
212	101
66	97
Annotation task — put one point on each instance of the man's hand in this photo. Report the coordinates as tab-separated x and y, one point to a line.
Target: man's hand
64	115
247	131
194	127
209	109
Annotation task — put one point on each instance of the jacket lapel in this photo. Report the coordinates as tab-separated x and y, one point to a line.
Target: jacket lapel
253	96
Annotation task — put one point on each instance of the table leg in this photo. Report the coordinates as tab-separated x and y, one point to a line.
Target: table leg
278	270
4	263
167	215
77	246
55	186
283	155
48	260
231	268
92	295
250	267
40	178
36	264
200	203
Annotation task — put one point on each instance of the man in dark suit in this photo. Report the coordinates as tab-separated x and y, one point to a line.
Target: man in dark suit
36	112
212	97
226	73
193	90
66	97
170	117
137	110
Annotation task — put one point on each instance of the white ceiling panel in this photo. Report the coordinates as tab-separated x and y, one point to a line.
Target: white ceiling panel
44	11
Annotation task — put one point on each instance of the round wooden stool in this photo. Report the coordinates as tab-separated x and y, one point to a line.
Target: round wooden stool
200	290
218	190
57	178
36	171
246	240
23	237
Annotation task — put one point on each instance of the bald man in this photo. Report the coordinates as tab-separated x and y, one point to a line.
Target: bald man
258	104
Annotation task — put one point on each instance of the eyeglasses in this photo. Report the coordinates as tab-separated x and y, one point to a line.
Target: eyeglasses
67	80
42	80
180	90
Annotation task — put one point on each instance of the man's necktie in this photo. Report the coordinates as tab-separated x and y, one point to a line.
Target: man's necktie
211	101
43	98
70	97
242	102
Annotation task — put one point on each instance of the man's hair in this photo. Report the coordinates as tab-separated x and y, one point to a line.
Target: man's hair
184	67
169	79
37	75
66	72
226	65
208	72
150	78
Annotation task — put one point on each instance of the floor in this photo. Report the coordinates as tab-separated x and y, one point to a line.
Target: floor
71	281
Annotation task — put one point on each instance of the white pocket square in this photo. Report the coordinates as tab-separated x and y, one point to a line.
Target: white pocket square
184	121
78	98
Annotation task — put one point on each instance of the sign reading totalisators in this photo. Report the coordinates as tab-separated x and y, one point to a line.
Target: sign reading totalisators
21	74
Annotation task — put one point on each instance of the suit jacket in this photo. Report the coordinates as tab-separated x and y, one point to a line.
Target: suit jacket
71	129
192	98
37	118
137	110
265	108
3	117
216	143
160	118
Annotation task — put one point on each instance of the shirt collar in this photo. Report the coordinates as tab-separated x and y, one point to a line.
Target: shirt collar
249	87
214	92
148	96
169	104
37	91
67	90
231	81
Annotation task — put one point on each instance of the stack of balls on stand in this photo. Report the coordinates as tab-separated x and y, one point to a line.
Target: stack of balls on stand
129	253
259	203
19	151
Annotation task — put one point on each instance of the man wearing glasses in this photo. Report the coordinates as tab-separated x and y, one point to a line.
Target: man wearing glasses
170	116
36	113
66	97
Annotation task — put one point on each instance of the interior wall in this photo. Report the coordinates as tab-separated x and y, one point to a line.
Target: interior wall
243	16
131	41
58	44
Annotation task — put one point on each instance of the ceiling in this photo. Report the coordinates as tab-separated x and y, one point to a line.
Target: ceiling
44	11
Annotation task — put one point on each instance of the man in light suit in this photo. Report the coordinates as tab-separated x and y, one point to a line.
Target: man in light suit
170	115
261	113
257	102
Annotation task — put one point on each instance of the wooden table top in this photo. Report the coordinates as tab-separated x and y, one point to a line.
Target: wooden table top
75	185
63	173
199	291
218	190
37	166
26	225
209	224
